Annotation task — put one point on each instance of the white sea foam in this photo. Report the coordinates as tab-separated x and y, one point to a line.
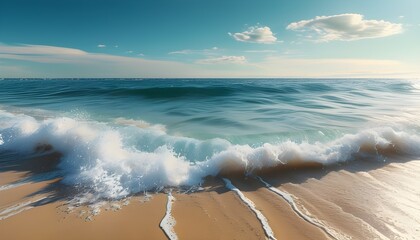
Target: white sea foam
267	229
13	185
18	208
168	222
289	199
140	124
28	180
115	161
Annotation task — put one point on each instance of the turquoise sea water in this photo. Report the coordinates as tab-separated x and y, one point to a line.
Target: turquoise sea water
128	135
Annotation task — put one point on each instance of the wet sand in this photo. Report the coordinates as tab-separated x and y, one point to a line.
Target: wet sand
356	201
383	203
214	213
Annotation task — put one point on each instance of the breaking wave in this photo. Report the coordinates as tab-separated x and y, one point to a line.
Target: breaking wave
126	156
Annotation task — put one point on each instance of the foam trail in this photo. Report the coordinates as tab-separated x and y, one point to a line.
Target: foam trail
14	213
18	208
168	222
13	185
267	229
35	178
289	199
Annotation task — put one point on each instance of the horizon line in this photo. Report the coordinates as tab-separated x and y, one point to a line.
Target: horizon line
204	78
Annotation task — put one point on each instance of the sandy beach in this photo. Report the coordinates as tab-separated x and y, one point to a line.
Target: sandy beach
341	202
209	120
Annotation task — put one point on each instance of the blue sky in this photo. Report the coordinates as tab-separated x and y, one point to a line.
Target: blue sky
198	38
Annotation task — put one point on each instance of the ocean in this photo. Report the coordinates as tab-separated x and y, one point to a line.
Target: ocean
118	137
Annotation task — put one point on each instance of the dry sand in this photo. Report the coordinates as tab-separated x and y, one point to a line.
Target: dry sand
378	202
138	220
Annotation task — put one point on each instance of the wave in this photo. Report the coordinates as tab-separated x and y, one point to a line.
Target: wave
116	159
149	92
161	89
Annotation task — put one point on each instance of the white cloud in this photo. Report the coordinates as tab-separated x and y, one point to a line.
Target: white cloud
223	59
255	35
77	63
345	27
27	49
260	51
184	51
191	51
101	45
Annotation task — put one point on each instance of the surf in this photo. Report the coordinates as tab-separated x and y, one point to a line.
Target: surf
115	160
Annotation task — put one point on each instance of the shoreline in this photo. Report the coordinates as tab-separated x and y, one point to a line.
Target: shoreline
350	203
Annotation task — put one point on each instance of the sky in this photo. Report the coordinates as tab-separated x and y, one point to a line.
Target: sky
210	38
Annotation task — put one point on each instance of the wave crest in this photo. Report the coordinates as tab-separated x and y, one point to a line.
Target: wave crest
114	161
